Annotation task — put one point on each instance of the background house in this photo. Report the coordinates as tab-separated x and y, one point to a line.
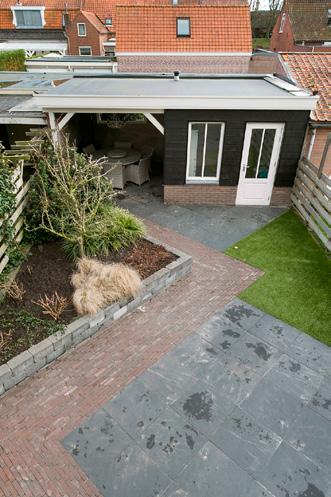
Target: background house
303	25
164	36
312	71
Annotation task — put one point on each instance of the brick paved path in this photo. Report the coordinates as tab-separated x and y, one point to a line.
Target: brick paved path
37	414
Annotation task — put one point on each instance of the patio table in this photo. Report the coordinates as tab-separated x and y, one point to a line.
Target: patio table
124	157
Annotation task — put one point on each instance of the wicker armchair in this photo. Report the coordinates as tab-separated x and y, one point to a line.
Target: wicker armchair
116	174
138	173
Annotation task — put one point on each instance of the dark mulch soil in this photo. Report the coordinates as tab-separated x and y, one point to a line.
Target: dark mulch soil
47	270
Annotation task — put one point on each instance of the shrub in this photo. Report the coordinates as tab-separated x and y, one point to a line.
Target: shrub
12	60
113	229
97	284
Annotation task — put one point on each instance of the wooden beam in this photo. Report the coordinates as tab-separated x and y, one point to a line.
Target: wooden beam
53	126
155	122
325	153
62	122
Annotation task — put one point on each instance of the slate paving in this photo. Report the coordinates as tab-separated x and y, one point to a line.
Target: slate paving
240	408
216	226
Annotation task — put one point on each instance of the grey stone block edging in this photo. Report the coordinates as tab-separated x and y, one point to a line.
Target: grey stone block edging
43	353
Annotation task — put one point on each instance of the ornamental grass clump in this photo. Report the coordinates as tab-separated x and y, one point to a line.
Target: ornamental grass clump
71	199
97	285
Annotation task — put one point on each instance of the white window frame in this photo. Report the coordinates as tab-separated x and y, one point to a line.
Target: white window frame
108	23
79	50
282	23
25	7
204	179
78	25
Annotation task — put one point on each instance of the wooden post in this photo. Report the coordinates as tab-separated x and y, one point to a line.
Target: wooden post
325	153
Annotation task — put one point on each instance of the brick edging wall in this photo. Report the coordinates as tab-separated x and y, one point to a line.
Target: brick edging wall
216	195
45	352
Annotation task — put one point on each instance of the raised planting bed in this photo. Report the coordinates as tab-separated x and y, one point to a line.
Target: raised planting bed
29	339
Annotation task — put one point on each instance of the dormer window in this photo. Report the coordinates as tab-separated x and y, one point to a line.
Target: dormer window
183	27
28	17
329	17
108	21
282	23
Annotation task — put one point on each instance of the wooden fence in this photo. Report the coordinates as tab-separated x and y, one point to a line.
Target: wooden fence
21	190
311	197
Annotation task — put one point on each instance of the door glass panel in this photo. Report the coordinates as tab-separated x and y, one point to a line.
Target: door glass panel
254	153
196	149
212	148
268	145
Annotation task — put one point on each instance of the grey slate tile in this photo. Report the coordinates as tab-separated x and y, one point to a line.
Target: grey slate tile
255	353
273	407
291	474
274	331
245	441
171	441
136	407
311	435
321	401
99	438
221	332
204	407
242	314
131	474
311	353
212	474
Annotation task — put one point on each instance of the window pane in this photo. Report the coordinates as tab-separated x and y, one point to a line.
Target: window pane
196	150
212	148
85	51
28	18
81	29
268	144
254	152
183	27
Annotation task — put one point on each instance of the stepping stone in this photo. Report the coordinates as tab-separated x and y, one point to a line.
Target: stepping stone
245	441
290	474
311	435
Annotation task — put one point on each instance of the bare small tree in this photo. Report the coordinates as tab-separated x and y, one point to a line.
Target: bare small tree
69	188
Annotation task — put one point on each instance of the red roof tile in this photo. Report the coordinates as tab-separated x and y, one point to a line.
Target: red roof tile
95	21
309	19
313	71
214	28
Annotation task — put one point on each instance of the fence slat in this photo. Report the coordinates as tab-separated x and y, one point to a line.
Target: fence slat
311	197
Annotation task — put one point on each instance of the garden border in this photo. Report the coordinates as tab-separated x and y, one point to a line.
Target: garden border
45	352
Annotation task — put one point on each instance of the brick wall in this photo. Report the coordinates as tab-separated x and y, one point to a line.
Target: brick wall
282	42
216	195
92	39
318	149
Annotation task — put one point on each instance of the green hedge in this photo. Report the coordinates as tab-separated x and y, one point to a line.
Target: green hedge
12	60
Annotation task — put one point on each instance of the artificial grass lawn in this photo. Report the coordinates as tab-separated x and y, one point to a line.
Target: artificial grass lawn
296	286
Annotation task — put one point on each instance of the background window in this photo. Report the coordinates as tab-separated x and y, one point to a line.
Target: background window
28	18
108	21
183	26
81	29
85	51
204	151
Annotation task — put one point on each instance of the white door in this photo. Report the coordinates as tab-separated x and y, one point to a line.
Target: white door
259	162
